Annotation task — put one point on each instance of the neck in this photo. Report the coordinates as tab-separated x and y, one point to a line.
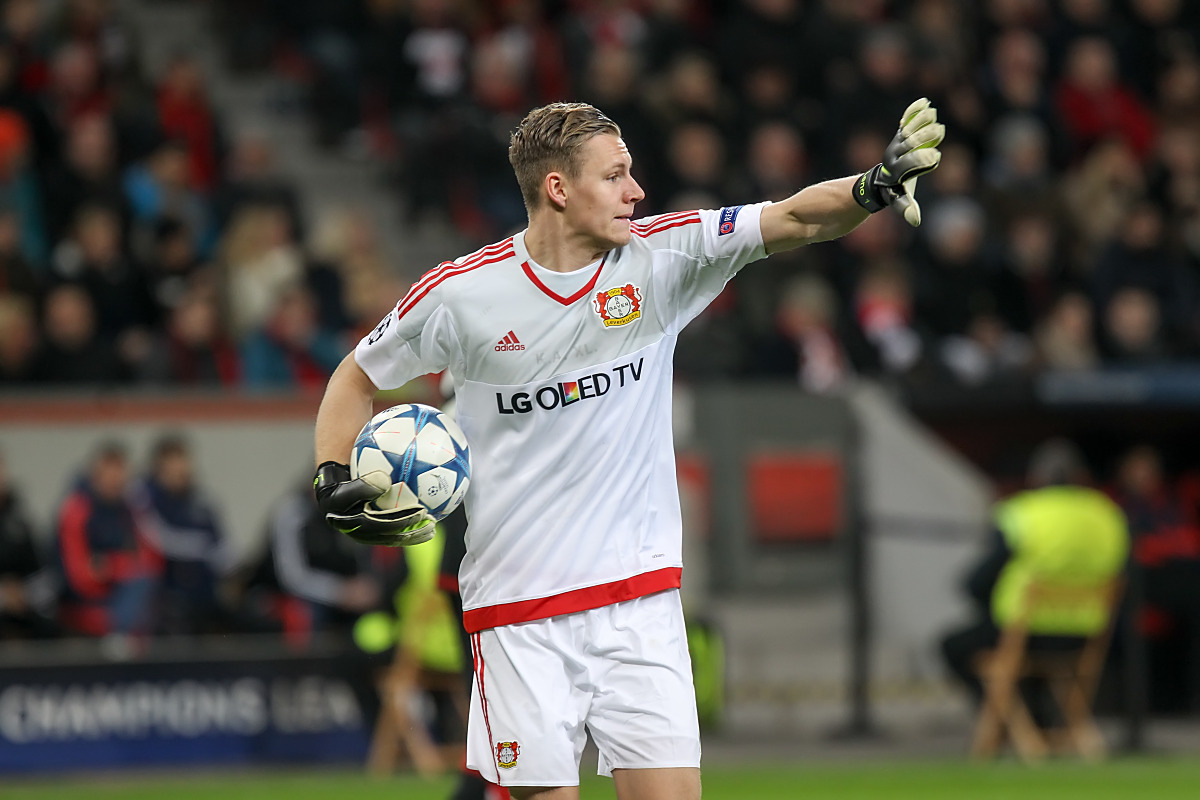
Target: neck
558	248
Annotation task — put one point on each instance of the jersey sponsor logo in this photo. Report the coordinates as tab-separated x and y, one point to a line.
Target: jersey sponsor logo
728	220
506	754
508	343
566	393
618	306
377	334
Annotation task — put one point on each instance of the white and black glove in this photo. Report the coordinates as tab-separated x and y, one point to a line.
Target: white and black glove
913	152
344	502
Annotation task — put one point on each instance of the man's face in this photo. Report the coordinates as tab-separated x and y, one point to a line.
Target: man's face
600	199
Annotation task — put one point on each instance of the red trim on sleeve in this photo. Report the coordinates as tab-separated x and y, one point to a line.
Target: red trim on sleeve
76	552
566	301
478	619
664	222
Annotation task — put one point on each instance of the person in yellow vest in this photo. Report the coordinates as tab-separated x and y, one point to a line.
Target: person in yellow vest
1059	530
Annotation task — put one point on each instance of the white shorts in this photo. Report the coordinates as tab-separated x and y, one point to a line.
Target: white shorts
622	671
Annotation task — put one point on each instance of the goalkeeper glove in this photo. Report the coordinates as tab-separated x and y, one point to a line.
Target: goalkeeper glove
913	152
344	502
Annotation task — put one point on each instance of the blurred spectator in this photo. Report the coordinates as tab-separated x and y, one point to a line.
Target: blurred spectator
1057	530
987	353
72	351
18	340
1133	330
159	187
1167	546
309	578
171	268
1017	173
194	350
20	192
697	177
1140	257
94	259
1032	259
1064	338
776	162
883	310
807	346
953	283
1097	195
689	91
1162	34
17	277
25	25
89	175
291	350
27	585
260	260
196	552
22	80
185	114
111	566
1015	77
348	269
1093	104
251	178
77	89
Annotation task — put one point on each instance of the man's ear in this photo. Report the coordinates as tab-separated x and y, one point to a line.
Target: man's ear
556	189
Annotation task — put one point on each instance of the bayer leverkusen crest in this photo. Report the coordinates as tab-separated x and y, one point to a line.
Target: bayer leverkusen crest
506	754
620	305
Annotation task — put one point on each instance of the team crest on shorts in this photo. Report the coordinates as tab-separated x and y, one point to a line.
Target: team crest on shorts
506	754
620	305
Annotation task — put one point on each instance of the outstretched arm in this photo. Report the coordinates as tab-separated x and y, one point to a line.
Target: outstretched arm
816	213
834	208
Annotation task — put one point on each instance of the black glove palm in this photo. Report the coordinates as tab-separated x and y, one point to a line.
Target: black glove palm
344	502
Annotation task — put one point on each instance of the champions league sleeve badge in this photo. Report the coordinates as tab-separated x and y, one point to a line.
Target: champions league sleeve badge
618	306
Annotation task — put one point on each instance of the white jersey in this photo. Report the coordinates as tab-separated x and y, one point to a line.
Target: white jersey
563	389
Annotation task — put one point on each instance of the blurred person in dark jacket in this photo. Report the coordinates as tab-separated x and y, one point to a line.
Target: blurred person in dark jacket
95	259
193	350
27	586
71	351
88	174
1166	545
196	551
111	565
291	350
308	578
18	340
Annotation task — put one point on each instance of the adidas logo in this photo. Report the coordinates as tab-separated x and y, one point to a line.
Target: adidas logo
509	342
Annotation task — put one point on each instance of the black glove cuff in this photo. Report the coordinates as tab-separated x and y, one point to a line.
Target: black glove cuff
867	192
329	475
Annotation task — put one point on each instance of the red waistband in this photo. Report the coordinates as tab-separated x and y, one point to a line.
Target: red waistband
478	619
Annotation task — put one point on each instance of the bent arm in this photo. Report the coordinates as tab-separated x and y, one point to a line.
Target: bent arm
816	213
345	408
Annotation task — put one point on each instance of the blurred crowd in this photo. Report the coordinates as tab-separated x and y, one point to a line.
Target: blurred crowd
138	550
1062	230
147	239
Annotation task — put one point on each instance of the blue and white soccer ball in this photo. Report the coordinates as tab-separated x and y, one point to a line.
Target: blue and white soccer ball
423	454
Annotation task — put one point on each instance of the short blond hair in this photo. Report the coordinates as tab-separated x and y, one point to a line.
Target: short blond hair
549	140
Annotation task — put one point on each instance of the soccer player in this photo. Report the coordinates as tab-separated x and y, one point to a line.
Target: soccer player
560	340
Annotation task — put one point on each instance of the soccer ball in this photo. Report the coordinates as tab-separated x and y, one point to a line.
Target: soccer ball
422	455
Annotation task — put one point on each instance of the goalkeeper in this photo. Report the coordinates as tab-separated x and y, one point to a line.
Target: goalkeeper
570	582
